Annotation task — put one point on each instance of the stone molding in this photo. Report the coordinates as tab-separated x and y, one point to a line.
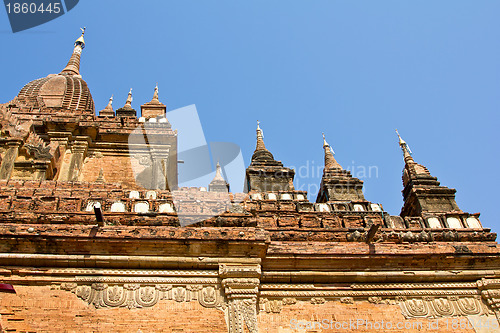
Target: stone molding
236	290
416	300
241	287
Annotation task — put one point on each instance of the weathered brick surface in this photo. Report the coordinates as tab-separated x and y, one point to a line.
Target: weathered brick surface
310	221
353	222
331	222
288	221
48	310
50	234
115	169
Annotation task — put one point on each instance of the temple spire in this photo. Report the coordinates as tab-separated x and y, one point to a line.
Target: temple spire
405	148
127	110
108	110
218	184
265	173
155	95
154	108
261	152
260	138
73	66
218	172
330	162
110	103
423	195
128	102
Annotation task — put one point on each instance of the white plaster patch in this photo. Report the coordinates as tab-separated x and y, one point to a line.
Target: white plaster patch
134	195
118	207
166	208
434	223
453	222
271	196
359	208
322	207
473	222
141	207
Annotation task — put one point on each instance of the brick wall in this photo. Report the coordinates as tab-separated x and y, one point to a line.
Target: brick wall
47	310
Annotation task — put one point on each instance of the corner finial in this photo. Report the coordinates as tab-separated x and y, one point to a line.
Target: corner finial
73	66
325	144
80	41
330	162
155	95
128	103
404	146
259	130
260	138
218	172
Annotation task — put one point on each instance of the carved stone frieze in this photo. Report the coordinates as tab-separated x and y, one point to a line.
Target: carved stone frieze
135	295
434	307
425	300
144	159
238	295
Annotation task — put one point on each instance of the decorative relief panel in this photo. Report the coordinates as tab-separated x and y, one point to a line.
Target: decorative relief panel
239	296
135	295
433	307
419	300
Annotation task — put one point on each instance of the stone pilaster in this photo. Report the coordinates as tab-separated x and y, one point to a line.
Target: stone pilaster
40	170
78	151
241	287
9	158
490	291
159	169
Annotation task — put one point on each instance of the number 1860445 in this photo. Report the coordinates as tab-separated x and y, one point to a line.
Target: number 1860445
33	8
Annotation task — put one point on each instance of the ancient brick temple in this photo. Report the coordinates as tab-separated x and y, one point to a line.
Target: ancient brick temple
96	235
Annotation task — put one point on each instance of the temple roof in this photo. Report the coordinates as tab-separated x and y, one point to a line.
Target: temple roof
66	90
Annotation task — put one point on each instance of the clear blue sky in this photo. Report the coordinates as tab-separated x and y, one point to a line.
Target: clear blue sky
355	70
